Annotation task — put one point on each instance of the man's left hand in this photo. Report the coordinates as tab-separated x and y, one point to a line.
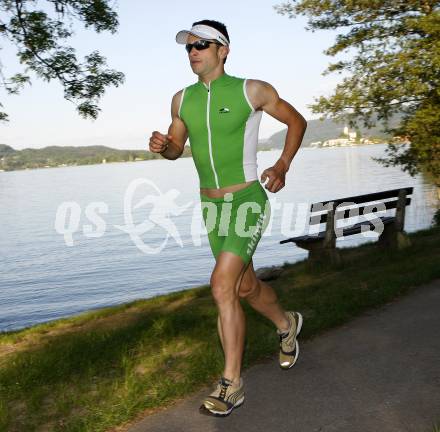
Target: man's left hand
277	176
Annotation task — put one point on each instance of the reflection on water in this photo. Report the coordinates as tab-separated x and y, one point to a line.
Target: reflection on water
42	278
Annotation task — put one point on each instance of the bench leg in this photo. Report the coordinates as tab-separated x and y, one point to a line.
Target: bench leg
391	238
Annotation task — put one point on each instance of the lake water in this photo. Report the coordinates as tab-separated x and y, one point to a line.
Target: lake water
46	274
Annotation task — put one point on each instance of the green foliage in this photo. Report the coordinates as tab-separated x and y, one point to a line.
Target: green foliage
396	69
36	36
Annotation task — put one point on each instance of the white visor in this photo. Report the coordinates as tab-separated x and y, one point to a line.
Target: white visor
202	31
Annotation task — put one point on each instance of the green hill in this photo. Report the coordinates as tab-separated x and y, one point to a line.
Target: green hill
54	156
6	150
318	130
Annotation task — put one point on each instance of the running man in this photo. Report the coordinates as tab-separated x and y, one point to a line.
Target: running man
220	114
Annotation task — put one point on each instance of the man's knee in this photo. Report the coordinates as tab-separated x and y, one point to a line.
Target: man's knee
222	288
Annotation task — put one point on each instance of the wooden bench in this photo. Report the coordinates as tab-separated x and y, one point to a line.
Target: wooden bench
322	245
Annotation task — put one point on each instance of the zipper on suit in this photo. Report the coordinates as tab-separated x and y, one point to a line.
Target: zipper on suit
209	135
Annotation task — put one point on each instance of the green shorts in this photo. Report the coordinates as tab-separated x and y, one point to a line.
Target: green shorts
236	221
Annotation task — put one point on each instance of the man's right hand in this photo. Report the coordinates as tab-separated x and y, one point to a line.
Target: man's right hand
159	142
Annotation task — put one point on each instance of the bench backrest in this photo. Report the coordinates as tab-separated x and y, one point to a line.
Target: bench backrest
365	204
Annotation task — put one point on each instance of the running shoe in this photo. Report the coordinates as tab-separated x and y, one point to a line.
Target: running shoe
289	348
224	398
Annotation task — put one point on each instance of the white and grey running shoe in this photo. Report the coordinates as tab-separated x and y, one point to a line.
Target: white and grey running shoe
289	348
224	398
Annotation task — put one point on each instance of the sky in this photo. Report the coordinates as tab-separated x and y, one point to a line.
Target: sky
264	45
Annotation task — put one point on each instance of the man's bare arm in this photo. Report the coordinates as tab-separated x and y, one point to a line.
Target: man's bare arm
174	142
263	96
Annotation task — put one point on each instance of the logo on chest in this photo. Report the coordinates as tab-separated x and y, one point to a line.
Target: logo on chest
223	110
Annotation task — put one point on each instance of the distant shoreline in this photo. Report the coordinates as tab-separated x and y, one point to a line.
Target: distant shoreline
319	134
148	156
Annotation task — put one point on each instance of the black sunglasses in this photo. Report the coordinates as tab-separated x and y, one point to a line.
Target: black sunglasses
200	45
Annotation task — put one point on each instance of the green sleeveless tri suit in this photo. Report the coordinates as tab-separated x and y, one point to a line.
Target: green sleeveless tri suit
223	133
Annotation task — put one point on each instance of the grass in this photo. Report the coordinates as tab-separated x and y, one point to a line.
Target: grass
103	368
